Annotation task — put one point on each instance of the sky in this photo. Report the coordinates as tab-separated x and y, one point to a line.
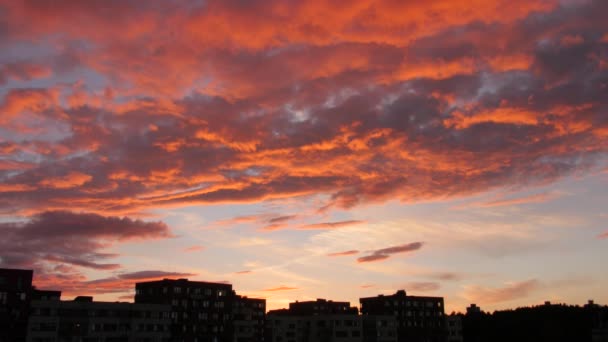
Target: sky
308	149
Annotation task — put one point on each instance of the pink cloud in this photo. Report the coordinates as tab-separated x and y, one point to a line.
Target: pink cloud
385	253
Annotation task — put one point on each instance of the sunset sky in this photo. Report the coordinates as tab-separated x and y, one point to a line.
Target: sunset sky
308	149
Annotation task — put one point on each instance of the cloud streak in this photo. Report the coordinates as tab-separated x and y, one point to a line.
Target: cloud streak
509	292
330	225
280	288
344	253
385	253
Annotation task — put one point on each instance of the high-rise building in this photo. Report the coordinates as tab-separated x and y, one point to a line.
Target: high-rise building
15	292
200	311
418	318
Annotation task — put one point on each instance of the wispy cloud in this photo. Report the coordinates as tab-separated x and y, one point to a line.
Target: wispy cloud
195	248
510	291
330	225
280	288
385	253
350	252
422	286
536	198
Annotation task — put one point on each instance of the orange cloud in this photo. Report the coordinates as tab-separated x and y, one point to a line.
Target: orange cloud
73	179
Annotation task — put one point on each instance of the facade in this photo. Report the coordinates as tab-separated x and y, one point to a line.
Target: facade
15	292
328	321
454	327
320	307
379	328
83	320
419	319
200	311
314	328
249	315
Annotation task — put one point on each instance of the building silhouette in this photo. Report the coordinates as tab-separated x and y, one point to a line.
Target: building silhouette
82	319
419	319
547	322
204	311
454	328
179	310
15	296
249	317
327	321
321	320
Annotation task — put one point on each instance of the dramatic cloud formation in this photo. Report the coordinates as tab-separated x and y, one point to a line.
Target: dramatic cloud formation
371	107
62	237
118	108
385	253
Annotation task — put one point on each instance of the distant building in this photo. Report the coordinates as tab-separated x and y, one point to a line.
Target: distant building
249	316
418	318
473	309
53	320
15	292
200	311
